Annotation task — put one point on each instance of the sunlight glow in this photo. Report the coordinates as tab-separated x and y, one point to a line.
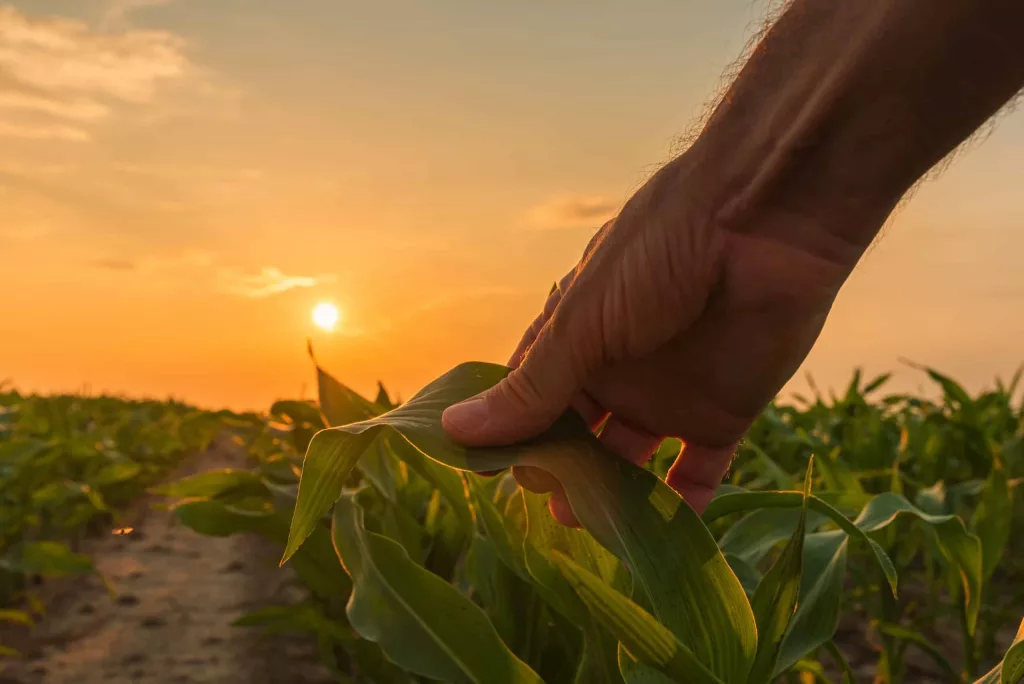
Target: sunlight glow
325	315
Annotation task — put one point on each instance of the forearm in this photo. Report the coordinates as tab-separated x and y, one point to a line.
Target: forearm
844	105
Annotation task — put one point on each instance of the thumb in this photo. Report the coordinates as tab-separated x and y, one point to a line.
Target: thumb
531	397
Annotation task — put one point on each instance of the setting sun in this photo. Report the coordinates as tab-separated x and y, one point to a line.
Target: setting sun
325	315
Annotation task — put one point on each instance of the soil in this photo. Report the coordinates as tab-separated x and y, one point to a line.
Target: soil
166	618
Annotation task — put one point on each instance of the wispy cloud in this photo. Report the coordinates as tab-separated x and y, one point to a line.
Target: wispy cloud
44	131
118	10
268	281
573	211
76	109
57	74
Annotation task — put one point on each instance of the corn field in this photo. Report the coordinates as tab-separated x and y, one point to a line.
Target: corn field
856	533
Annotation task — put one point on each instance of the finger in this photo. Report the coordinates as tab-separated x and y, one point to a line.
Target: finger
631	443
535	479
560	509
541	481
592	412
538	323
528	400
698	471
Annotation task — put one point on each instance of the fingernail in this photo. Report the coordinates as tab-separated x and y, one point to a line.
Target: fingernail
468	416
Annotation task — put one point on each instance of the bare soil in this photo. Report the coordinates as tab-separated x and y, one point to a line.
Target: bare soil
168	617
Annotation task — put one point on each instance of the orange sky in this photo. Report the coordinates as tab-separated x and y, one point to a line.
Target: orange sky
182	181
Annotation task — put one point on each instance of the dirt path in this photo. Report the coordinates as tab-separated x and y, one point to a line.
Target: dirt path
176	594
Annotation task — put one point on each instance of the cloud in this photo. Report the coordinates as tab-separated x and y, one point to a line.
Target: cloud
118	10
57	74
574	211
269	281
43	132
76	109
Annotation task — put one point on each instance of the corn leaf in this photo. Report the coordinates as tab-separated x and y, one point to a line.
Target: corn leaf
993	518
821	589
739	501
961	548
214	483
1010	670
419	620
775	597
676	565
639	632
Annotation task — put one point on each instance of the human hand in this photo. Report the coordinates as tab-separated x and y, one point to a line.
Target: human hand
692	308
670	325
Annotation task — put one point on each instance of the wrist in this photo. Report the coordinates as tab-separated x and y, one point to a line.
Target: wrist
841	109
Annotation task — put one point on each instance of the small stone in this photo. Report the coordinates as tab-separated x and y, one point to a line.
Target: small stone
234	566
153	621
128	600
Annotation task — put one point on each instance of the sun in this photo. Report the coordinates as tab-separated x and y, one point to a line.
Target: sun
325	315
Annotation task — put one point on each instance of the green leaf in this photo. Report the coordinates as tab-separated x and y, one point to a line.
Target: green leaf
927	647
676	565
45	558
640	633
959	546
447	481
1011	669
298	412
299	618
544	536
114	473
775	598
421	622
315	564
329	461
739	501
821	589
383	469
383	400
993	518
780	477
756	533
747	574
341	405
490	520
876	383
214	483
18	617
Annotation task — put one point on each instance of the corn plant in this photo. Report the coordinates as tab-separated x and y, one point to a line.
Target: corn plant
419	567
68	464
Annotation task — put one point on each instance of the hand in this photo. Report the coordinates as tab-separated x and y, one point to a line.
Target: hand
690	310
670	325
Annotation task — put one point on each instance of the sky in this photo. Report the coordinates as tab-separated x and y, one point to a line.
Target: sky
182	181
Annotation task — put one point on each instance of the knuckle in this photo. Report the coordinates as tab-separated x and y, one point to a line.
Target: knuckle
520	390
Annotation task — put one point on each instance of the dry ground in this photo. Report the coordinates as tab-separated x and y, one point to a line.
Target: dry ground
169	619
